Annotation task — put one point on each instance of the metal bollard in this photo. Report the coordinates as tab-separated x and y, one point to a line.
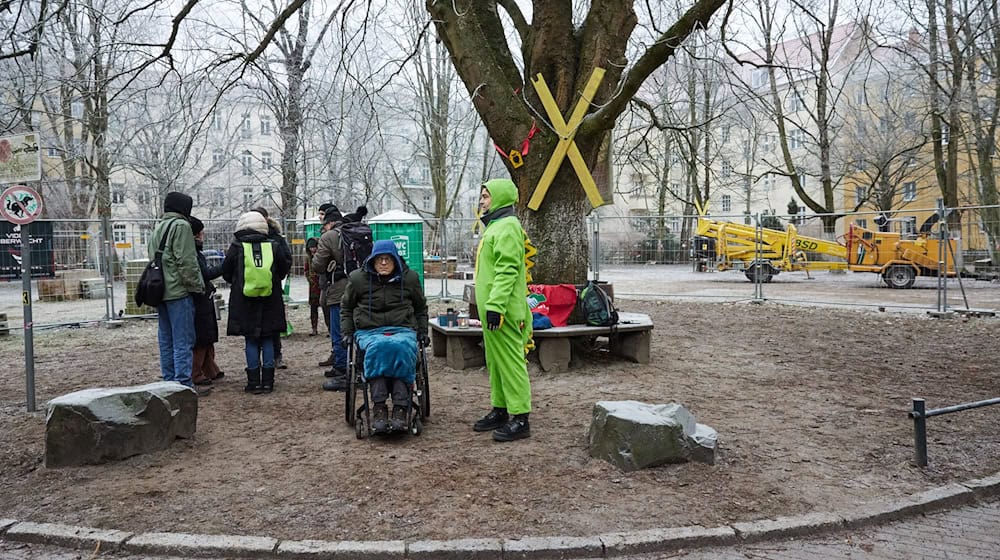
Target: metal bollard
919	432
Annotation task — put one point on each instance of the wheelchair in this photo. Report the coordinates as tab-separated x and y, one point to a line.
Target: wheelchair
360	416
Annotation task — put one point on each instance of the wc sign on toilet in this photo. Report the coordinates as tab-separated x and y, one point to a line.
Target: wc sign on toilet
402	243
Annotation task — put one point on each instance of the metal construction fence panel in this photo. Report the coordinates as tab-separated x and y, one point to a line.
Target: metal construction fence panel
84	268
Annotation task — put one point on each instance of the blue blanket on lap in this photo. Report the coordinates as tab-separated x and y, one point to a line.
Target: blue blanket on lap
389	352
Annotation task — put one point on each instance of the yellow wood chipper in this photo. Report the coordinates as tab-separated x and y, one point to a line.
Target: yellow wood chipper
763	253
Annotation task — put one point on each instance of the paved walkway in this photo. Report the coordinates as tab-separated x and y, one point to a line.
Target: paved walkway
967	533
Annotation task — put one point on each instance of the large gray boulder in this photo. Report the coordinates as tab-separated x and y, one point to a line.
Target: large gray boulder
100	425
635	435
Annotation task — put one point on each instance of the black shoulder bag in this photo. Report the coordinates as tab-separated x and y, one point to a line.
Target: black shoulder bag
152	285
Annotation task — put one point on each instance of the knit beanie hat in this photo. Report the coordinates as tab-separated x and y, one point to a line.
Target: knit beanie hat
196	225
178	202
357	215
326	207
252	221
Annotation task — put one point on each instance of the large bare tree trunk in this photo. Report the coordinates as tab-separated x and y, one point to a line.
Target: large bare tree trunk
565	55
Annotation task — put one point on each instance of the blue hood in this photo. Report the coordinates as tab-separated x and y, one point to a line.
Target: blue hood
385	247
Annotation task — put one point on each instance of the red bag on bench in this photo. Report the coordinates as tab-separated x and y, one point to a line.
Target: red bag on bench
560	299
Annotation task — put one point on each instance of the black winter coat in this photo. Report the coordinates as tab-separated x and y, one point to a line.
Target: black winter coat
372	301
206	329
255	316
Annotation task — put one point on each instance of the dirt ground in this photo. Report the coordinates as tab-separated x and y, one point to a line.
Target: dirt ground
810	404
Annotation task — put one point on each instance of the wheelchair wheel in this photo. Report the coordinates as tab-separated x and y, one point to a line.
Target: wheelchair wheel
425	390
350	396
361	427
416	427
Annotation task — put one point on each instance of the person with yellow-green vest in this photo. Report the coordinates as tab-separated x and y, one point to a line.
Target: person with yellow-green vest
254	267
501	290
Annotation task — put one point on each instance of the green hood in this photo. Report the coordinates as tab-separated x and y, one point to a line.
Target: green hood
502	191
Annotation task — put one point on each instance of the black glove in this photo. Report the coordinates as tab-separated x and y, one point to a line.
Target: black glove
493	320
425	340
346	340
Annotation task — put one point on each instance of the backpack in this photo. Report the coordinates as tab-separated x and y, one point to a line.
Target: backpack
152	285
355	245
257	260
598	311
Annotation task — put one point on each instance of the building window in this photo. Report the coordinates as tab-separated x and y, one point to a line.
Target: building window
985	73
217	156
727	169
76	109
52	151
638	178
144	231
727	203
216	122
860	222
724	134
800	216
768	182
860	96
802	180
768	142
758	78
117	193
859	194
142	197
796	138
909	191
265	126
908	226
245	128
118	233
247	197
219	198
427	201
945	134
246	162
794	103
265	160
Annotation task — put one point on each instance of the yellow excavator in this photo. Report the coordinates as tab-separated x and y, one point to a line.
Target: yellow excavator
763	253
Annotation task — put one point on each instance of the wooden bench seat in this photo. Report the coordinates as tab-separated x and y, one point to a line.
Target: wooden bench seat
630	338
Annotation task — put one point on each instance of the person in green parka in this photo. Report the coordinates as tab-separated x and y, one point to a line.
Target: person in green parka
501	297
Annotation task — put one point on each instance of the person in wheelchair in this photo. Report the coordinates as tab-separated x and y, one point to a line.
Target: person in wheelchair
384	312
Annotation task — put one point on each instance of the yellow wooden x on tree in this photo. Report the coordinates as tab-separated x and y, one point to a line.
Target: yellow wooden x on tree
567	145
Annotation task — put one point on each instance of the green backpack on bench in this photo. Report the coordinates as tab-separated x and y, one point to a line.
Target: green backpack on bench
598	311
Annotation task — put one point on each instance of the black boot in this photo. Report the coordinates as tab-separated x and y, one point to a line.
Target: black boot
266	380
253	381
495	419
337	381
398	423
517	428
380	413
327	362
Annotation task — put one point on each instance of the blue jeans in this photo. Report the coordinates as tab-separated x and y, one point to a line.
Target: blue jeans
176	337
260	350
339	352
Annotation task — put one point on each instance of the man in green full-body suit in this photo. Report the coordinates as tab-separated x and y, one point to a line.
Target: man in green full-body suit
501	297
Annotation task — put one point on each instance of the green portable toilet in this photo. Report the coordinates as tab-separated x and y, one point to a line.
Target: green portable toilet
311	228
407	232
